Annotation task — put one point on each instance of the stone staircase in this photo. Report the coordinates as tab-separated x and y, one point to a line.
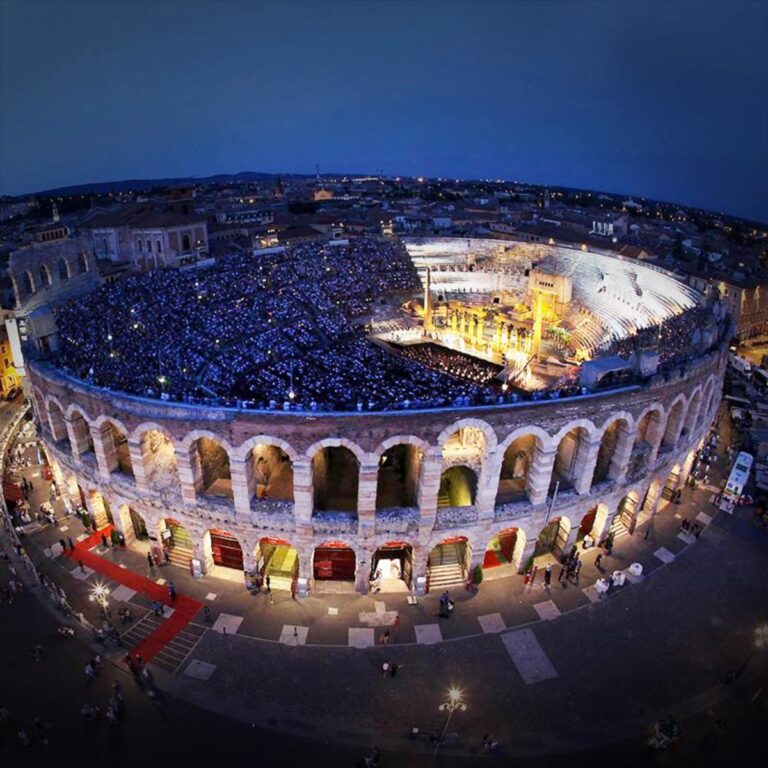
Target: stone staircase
181	556
618	528
173	654
449	571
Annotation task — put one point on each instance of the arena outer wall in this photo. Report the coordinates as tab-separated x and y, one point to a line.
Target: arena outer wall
674	414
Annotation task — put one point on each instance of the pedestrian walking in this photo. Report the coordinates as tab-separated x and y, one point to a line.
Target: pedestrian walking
397	623
63	545
548	575
150	560
392	669
384	639
561	575
82	567
166	556
269	585
104	541
598	560
71	543
294	588
172	591
385	669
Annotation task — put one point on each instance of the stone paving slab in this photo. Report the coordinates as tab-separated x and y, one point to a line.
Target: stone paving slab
361	637
428	634
211	596
63	528
292	634
547	610
528	656
704	518
379	606
80	574
123	593
664	555
592	594
492	622
686	537
333	611
227	624
378	619
199	670
632	578
83	537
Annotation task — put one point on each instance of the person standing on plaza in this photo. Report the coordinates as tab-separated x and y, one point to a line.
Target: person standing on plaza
269	585
598	560
547	575
150	560
172	591
70	543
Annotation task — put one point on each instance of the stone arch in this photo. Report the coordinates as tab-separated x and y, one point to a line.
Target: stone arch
613	431
458	486
64	270
627	511
27	283
491	441
572	454
82	263
158	452
713	385
269	471
224	549
335	476
45	276
399	472
119	458
176	541
337	442
391	565
57	422
448	562
517	455
245	448
553	538
504	551
674	421
278	559
185	244
209	458
693	412
334	560
593	523
81	431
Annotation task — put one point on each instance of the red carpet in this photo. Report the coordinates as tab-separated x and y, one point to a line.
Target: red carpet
186	608
490	560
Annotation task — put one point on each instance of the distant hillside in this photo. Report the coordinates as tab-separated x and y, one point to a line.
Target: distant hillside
129	185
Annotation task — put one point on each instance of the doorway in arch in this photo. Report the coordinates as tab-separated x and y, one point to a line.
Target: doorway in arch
392	567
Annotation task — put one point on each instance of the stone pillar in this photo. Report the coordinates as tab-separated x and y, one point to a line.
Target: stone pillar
673	427
140	463
190	474
685	471
202	551
240	491
584	465
487	487
73	490
363	569
419	564
429	486
366	499
94	503
622	453
540	474
527	552
104	448
123	523
653	437
303	491
79	438
600	525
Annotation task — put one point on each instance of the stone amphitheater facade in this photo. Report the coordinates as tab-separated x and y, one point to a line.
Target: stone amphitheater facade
639	436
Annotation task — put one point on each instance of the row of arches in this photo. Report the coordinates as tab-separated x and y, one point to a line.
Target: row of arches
468	468
46	275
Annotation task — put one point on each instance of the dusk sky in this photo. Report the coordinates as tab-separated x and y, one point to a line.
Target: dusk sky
664	99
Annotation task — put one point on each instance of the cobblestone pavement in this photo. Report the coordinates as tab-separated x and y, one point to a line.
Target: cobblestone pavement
657	646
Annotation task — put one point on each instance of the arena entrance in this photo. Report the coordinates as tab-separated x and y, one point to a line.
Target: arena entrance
392	567
553	538
671	489
447	564
458	486
502	556
277	559
139	526
624	520
334	561
225	549
176	538
593	523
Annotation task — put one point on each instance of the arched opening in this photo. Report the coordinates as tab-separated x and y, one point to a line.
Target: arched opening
58	426
334	561
714	396
176	541
515	468
335	478
226	551
571	458
214	477
504	552
626	515
652	496
448	562
592	526
608	444
185	244
277	559
160	462
392	567
122	456
673	425
270	473
458	487
553	538
28	284
671	490
82	434
45	276
397	482
694	411
99	509
467	445
63	269
140	530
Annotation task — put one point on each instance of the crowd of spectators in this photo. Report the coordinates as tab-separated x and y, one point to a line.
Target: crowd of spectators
456	364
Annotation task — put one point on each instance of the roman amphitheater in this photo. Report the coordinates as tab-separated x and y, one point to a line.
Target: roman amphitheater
601	378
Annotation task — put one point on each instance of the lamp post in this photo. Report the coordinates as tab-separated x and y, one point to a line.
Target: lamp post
454	703
760	642
100	595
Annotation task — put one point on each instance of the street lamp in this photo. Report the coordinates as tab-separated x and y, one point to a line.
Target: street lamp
759	643
100	595
454	703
